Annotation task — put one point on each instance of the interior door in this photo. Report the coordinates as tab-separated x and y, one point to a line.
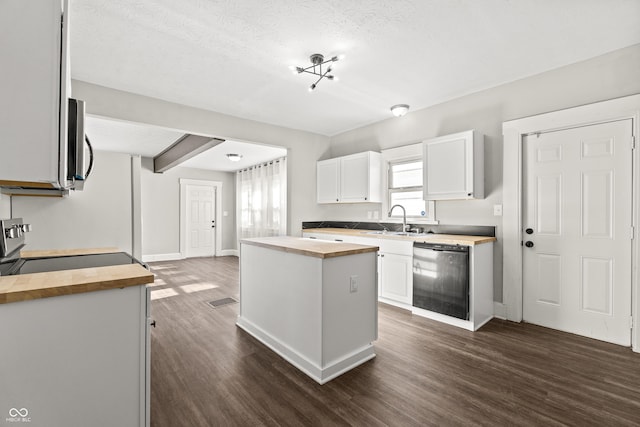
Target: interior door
200	214
577	230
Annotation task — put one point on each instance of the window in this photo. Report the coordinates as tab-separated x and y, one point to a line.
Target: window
262	200
405	187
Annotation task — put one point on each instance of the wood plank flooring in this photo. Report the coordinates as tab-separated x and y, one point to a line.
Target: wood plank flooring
205	371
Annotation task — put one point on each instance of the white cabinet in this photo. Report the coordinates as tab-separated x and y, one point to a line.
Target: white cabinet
395	277
79	359
454	167
328	181
350	179
396	272
34	89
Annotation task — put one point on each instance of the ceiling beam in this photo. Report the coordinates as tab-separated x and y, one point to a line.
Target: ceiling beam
186	147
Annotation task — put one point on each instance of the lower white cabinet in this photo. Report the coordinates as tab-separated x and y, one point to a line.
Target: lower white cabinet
395	277
76	360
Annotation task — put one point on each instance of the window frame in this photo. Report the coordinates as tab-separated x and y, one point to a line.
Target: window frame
403	154
395	190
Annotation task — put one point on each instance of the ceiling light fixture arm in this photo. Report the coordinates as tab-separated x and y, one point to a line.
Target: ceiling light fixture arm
317	61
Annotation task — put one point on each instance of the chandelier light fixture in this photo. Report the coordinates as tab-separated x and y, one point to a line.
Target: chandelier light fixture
317	61
234	157
400	110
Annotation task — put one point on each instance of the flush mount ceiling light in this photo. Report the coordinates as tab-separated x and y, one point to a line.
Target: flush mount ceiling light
317	61
400	110
234	157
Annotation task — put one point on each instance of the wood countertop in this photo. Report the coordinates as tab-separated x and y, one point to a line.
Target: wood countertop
24	287
445	239
307	247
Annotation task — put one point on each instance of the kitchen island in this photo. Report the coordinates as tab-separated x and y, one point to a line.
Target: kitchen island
312	302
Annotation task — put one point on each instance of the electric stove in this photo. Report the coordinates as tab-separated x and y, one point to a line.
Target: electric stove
71	262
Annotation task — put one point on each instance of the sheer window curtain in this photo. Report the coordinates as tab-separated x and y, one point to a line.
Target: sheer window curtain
261	198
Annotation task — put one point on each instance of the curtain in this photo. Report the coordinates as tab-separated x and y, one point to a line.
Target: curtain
261	198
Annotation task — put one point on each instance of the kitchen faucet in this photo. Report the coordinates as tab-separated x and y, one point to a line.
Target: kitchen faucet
404	216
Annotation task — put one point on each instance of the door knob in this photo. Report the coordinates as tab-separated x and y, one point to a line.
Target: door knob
529	231
528	244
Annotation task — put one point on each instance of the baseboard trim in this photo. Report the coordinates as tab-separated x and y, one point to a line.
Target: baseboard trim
229	252
499	310
320	374
162	257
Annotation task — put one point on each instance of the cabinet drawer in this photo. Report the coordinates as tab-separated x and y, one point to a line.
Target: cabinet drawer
399	247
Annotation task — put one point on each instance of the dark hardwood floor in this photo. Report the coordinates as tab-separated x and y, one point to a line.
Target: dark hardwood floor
205	371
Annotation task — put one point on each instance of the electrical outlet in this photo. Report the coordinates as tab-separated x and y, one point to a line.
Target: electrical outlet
375	215
497	210
369	214
353	284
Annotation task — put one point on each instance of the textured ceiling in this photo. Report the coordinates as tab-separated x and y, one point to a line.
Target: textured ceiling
232	56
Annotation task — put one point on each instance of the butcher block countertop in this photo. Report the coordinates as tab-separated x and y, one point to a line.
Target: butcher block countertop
307	247
24	287
445	239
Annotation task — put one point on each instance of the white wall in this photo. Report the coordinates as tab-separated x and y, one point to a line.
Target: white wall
608	76
161	207
99	216
303	148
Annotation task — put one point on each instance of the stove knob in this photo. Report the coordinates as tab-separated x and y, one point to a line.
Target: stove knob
11	233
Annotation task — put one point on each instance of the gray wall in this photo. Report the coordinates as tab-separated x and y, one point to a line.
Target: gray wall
609	76
303	148
161	207
99	216
5	207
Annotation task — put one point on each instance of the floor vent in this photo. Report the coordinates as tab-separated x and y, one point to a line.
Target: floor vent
224	301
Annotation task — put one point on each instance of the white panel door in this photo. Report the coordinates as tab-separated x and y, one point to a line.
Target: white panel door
200	215
577	230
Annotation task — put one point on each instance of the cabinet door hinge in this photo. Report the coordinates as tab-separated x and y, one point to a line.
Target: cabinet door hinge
633	231
633	142
630	322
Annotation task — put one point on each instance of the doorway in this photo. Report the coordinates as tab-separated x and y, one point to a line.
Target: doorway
594	290
200	212
577	219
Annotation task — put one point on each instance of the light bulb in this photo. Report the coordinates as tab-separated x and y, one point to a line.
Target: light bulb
312	87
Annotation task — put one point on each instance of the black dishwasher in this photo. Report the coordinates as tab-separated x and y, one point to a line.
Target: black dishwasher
441	278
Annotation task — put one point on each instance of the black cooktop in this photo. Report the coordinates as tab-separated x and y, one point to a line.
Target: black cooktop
58	263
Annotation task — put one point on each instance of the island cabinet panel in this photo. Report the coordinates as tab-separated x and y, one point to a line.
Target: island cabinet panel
317	312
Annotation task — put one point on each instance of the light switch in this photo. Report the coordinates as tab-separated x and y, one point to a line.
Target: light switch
497	210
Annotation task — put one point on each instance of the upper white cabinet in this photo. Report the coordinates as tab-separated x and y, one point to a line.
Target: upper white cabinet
34	89
328	181
350	179
454	167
